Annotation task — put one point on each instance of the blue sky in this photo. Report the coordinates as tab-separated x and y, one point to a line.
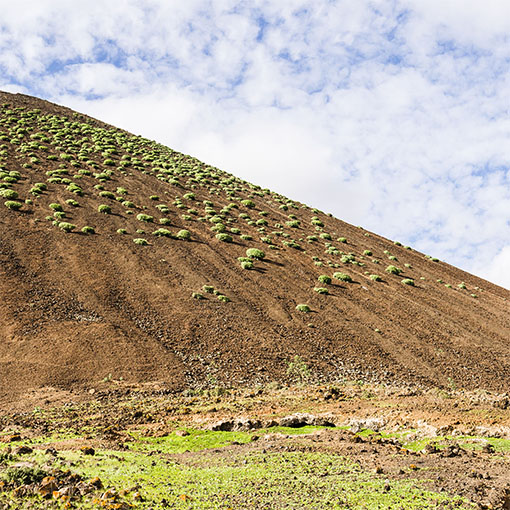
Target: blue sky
393	115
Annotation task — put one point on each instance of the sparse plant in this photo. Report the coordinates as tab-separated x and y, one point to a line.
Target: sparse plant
145	217
255	253
183	234
298	370
140	241
13	205
324	278
9	194
224	237
223	298
88	230
408	281
342	277
121	231
197	295
66	227
162	232
209	289
375	278
321	290
303	308
248	203
393	270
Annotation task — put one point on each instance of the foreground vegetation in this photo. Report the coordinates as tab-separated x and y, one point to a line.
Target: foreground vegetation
148	451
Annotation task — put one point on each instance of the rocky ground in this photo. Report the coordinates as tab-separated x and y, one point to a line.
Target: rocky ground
353	445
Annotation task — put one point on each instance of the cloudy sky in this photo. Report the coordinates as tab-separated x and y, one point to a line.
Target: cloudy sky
390	114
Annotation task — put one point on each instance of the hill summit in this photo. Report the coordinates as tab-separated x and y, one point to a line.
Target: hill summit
120	257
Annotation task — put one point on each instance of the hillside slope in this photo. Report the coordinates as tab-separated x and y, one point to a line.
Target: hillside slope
77	304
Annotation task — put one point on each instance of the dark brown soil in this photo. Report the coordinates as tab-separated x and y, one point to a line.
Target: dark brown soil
75	308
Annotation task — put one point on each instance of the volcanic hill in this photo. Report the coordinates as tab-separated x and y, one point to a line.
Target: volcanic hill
121	257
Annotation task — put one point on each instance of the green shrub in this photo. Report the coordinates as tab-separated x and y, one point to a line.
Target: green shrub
393	270
248	203
197	295
183	234
88	230
247	264
105	209
392	257
246	237
408	281
9	194
66	227
462	285
122	191
24	475
162	232
189	196
109	162
223	298
140	241
145	217
74	188
303	308
368	253
127	203
255	253
121	231
224	237
321	290
107	194
208	288
12	205
375	278
342	277
324	278
342	240
154	197
165	221
219	228
293	223
72	202
56	207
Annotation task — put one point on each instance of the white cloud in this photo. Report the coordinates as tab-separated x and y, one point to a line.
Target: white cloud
498	269
393	115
